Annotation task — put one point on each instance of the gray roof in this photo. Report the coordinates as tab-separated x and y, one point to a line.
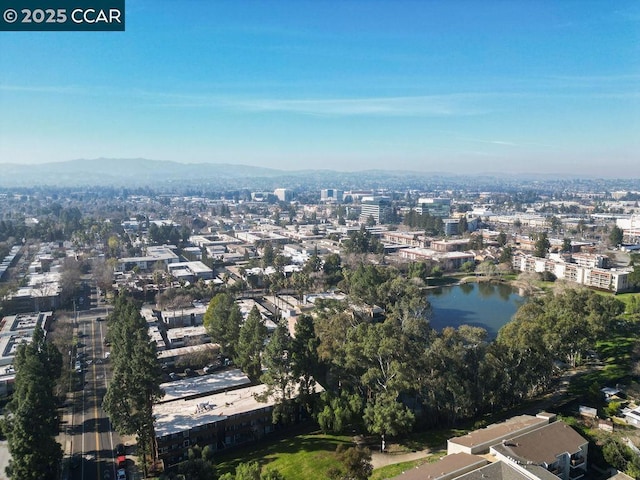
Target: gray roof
497	431
542	445
204	384
495	471
449	466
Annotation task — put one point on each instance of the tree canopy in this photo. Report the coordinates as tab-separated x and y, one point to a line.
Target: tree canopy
32	423
136	375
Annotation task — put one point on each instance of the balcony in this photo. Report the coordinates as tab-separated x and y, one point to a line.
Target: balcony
577	461
575	474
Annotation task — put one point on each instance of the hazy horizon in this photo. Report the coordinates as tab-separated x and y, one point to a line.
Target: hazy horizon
456	87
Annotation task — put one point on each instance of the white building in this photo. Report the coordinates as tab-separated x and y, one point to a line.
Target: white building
605	279
378	207
283	194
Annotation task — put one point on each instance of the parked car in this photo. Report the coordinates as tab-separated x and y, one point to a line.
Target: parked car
173	376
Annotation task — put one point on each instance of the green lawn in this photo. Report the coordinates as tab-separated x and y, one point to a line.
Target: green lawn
396	469
615	353
306	456
309	456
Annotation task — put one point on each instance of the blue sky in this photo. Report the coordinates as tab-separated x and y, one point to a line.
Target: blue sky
449	85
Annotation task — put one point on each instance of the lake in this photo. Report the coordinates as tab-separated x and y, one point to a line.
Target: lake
483	304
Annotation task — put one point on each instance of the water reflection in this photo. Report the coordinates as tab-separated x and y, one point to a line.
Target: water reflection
466	288
489	306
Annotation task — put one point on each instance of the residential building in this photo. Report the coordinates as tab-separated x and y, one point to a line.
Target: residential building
183	317
15	330
226	417
480	441
411	239
605	279
190	271
185	336
447	468
556	447
501	471
156	255
446	260
170	356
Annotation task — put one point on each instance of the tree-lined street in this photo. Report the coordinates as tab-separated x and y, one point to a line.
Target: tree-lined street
89	437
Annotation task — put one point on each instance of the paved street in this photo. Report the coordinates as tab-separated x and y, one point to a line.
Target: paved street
87	436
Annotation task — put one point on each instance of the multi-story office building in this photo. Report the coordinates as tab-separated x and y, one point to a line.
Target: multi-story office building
330	195
378	207
283	194
436	207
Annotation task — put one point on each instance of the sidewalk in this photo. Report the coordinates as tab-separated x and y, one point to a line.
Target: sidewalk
379	459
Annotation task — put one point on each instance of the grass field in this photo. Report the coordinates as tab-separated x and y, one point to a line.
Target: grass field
396	469
309	456
305	456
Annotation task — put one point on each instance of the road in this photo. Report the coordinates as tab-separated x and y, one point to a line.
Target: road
89	435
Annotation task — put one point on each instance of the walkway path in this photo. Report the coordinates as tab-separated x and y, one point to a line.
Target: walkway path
383	459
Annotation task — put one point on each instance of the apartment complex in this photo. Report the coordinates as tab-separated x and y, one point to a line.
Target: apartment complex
522	448
605	279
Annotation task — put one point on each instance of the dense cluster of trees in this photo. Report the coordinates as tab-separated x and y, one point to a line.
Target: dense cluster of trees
430	224
137	375
362	242
290	362
32	422
394	374
563	326
408	374
168	234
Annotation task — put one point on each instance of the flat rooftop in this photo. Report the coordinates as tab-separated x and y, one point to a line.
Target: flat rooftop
198	386
176	352
183	415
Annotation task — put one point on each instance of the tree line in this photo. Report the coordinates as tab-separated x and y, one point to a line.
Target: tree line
31	421
137	375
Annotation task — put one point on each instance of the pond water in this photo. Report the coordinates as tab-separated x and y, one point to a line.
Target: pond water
484	304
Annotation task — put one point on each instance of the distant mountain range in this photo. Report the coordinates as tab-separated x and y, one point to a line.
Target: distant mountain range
121	171
167	175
